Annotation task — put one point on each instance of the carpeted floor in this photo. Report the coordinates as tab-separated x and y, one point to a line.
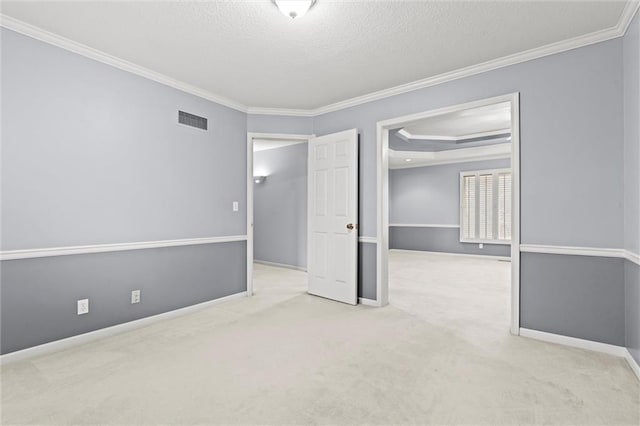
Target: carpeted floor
441	353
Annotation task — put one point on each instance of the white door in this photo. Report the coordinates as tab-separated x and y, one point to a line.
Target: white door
332	215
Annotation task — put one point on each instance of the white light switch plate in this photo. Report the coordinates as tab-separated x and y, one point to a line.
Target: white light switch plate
83	306
481	245
135	296
235	206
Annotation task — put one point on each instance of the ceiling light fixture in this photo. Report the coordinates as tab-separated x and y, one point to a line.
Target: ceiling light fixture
294	8
407	159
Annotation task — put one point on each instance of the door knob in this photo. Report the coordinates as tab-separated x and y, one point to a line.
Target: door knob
350	226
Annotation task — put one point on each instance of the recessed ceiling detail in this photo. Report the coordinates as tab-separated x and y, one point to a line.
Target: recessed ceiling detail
406	159
245	52
487	125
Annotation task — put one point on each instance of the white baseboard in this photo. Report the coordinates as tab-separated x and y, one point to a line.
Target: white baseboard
280	265
471	256
91	336
619	351
632	363
368	302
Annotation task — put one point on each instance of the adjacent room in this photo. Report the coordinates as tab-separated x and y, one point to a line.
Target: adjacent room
293	212
450	218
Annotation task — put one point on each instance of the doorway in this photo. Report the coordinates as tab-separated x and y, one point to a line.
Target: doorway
327	235
277	188
471	232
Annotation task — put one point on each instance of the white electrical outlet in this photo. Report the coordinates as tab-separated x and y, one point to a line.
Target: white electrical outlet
83	306
481	245
135	296
235	206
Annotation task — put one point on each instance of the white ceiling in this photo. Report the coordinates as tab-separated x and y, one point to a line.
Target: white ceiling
248	52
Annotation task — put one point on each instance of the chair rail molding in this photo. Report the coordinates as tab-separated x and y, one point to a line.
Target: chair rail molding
103	248
579	251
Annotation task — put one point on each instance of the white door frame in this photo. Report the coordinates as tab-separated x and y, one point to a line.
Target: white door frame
383	127
250	137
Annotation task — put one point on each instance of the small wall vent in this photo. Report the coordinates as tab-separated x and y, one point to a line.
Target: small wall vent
192	120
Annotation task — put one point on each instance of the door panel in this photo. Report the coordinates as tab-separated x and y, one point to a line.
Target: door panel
333	205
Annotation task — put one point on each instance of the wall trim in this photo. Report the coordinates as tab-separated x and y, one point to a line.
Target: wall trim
100	56
574	342
575	251
280	265
558	47
80	339
405	134
517	58
632	363
632	257
443	253
368	240
627	15
290	112
103	248
368	302
422	225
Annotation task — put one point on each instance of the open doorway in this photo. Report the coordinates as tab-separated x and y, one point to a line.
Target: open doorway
448	193
302	209
277	213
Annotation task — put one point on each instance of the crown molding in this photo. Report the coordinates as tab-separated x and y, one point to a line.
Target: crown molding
619	30
505	61
97	55
405	134
628	13
281	111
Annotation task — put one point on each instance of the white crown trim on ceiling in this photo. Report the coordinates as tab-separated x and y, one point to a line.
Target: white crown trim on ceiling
97	55
584	40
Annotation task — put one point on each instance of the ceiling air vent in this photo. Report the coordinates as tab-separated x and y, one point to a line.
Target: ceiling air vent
192	120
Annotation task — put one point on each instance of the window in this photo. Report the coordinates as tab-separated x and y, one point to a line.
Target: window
485	206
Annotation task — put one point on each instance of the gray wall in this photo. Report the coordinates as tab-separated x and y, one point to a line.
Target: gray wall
576	296
280	206
279	124
105	162
632	311
39	295
431	195
367	264
93	155
444	240
631	45
569	104
631	52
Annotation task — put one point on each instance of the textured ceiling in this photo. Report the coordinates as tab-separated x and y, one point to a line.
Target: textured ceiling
249	52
